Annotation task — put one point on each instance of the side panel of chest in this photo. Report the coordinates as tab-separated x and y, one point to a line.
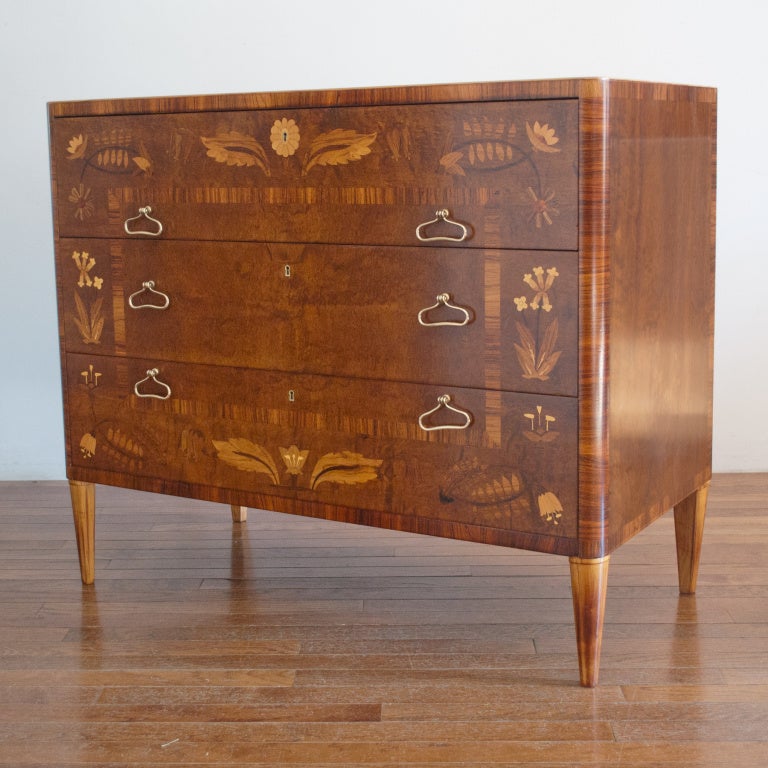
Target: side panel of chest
506	170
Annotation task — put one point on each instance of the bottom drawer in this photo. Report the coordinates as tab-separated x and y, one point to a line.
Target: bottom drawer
488	458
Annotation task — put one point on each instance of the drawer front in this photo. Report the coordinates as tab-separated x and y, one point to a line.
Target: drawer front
508	463
368	312
505	170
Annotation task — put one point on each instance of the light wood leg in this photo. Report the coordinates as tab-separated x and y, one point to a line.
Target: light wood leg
239	514
689	531
589	583
84	512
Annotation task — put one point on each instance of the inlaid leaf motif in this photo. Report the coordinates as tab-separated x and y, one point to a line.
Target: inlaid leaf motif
346	467
121	445
526	351
338	147
451	163
483	486
399	141
97	320
547	356
89	323
143	160
246	456
234	148
537	365
110	159
82	321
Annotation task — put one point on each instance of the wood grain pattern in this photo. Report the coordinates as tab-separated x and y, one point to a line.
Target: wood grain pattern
594	320
286	641
331	444
488	91
660	384
689	534
645	374
83	497
355	175
332	310
589	587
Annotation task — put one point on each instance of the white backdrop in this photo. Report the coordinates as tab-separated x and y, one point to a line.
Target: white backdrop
66	49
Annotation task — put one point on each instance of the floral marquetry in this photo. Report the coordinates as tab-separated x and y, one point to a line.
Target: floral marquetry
542	137
76	147
84	206
536	351
256	169
285	137
542	208
293	459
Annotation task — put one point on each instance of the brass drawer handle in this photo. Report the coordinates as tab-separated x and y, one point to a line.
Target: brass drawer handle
152	374
444	299
444	402
143	213
442	216
149	286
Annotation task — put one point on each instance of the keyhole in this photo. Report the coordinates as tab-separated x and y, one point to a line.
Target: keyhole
291	396
287	270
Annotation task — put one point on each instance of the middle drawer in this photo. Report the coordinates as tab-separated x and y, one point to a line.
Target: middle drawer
503	320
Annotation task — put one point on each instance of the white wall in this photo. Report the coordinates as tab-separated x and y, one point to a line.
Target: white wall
62	49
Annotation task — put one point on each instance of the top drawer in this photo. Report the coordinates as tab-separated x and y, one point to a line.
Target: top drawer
507	171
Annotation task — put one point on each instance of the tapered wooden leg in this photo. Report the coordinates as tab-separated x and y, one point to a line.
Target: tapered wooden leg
689	531
84	512
239	514
589	583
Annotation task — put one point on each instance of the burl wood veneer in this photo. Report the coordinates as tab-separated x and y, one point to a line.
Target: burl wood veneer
479	311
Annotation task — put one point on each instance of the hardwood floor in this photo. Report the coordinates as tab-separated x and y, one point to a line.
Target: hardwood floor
294	642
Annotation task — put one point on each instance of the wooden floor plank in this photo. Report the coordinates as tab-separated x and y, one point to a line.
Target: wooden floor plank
286	641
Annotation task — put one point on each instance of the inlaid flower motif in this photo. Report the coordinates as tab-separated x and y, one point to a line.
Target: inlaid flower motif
81	197
550	508
542	208
542	137
294	459
76	147
88	445
285	137
521	302
541	286
84	263
98	282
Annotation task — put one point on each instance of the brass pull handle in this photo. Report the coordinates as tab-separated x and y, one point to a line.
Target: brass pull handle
143	214
149	286
444	300
442	216
152	374
444	401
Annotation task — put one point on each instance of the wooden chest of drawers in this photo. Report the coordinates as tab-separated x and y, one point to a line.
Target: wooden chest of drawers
480	311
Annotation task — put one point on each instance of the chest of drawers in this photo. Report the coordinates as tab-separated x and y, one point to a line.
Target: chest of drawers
479	311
